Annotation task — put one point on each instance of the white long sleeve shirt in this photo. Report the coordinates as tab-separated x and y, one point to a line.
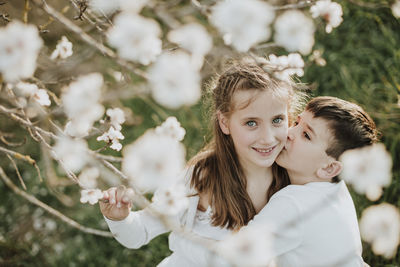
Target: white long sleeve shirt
141	226
313	225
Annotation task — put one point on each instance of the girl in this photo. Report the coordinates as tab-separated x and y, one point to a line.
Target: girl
235	174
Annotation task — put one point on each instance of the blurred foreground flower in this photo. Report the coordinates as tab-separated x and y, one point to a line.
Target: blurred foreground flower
380	226
81	104
286	66
63	49
91	195
175	80
171	127
135	37
368	169
104	7
194	38
396	9
251	246
171	200
330	11
295	32
73	152
19	48
243	23
153	161
88	178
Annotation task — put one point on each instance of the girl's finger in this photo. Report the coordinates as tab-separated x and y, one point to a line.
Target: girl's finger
112	195
128	196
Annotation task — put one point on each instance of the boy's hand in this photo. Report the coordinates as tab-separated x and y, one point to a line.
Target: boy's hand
116	203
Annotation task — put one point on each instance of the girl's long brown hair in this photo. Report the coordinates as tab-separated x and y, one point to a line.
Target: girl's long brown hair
217	171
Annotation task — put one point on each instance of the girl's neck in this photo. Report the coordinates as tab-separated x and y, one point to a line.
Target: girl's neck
254	174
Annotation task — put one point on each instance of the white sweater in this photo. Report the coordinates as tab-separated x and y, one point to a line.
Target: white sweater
315	225
141	226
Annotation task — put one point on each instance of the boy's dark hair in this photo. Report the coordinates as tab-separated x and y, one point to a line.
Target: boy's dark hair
349	124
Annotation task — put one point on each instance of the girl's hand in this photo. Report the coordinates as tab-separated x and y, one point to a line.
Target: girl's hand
116	203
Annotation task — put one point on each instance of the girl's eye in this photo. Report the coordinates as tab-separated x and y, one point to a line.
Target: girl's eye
251	123
306	135
295	123
277	120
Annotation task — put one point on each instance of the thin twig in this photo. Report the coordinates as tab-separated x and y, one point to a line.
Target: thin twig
87	38
12	115
17	171
26	11
49	209
298	5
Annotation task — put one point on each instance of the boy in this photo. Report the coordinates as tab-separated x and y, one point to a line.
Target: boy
313	220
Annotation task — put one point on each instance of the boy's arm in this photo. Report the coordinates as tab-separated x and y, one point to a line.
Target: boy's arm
282	216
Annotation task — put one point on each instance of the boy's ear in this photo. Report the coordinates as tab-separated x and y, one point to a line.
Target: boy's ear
223	122
332	169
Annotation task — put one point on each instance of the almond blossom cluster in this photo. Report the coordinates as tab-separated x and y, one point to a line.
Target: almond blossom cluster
72	152
81	104
113	135
294	31
380	226
19	48
194	38
32	91
367	169
171	127
175	80
136	38
286	66
330	11
154	161
243	23
63	49
170	200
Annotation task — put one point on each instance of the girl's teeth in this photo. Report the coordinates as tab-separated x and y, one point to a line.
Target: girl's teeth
264	150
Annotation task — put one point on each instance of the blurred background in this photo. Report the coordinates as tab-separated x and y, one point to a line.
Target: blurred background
359	61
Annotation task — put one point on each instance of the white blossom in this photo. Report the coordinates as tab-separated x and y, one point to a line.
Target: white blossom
286	66
380	226
368	169
294	31
174	80
251	246
243	23
72	152
19	48
42	97
132	5
194	38
117	117
171	200
91	195
330	11
104	7
153	161
135	37
81	104
171	127
30	90
396	9
63	49
88	178
112	136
